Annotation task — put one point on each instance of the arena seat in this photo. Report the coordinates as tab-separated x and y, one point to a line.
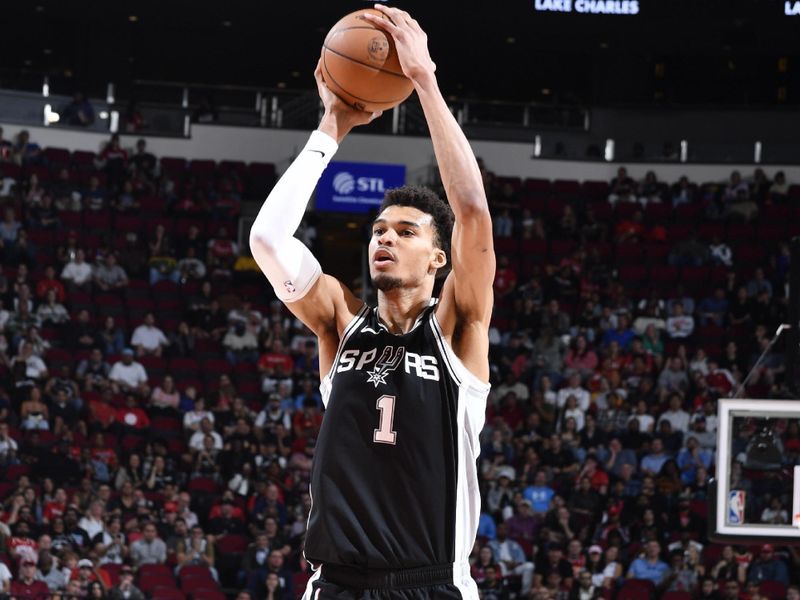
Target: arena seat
774	590
166	593
676	595
636	589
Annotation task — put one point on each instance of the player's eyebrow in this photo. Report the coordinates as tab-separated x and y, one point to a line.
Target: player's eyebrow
408	223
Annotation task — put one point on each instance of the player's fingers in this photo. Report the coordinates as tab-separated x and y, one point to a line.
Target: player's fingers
382	23
398	17
318	75
375	115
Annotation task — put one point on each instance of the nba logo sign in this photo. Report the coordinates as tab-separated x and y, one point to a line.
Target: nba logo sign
736	501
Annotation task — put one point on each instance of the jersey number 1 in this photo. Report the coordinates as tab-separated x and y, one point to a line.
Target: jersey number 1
384	434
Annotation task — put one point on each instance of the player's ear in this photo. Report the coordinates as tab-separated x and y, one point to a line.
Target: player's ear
439	259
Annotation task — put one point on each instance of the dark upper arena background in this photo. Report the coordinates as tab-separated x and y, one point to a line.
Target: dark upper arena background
643	176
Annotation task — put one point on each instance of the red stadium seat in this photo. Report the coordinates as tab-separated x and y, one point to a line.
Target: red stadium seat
196	573
774	590
166	593
203	484
676	595
97	220
232	543
636	589
594	190
154	581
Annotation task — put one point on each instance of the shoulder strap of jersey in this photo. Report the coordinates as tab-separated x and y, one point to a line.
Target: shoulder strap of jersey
352	327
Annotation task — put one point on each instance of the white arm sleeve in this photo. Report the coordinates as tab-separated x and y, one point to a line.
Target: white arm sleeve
286	261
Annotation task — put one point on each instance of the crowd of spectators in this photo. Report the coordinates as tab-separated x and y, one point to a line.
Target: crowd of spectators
624	310
158	413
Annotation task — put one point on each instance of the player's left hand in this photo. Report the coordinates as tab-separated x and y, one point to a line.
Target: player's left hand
409	38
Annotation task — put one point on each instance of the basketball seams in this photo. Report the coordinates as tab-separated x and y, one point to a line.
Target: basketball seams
362	63
333	79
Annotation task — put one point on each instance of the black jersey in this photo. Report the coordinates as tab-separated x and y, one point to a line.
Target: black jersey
394	479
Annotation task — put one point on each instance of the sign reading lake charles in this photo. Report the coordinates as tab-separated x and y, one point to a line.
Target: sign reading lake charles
356	187
596	7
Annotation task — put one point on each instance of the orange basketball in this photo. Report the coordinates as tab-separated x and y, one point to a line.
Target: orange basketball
360	64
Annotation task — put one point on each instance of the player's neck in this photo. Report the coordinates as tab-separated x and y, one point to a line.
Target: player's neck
399	309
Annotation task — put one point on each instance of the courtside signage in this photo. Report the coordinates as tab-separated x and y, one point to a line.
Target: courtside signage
592	7
356	187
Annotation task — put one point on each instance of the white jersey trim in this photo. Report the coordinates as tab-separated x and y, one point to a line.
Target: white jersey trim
327	382
471	414
454	365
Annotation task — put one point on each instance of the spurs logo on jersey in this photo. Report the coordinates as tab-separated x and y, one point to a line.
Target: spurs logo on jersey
421	365
388	361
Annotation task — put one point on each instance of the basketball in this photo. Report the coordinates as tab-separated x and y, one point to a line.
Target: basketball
360	64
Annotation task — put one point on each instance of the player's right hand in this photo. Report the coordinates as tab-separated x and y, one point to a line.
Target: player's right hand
344	116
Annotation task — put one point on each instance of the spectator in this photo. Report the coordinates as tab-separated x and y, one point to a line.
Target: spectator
9	229
198	550
492	587
27	152
650	566
109	276
132	417
584	587
143	161
581	358
505	279
759	283
93	371
679	325
113	160
147	338
34	367
196	441
48	572
125	589
78	273
128	376
779	190
241	345
539	494
94	197
712	309
652	462
51	311
721	253
621	187
150	549
573	388
678	418
693	458
768	567
78	112
26	586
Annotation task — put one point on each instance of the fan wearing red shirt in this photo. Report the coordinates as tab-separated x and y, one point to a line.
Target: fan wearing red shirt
25	587
277	360
505	278
132	416
105	454
56	507
50	282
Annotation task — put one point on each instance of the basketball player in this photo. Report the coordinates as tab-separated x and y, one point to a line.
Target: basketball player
394	484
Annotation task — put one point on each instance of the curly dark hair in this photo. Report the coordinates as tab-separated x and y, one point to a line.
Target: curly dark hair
425	200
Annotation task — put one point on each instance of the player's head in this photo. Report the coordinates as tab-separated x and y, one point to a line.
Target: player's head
410	239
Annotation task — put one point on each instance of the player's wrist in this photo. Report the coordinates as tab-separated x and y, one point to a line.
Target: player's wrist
334	123
424	78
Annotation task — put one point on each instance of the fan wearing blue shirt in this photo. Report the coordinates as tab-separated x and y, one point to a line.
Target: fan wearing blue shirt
650	566
539	494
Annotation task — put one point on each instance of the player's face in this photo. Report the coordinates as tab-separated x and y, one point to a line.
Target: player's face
402	252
